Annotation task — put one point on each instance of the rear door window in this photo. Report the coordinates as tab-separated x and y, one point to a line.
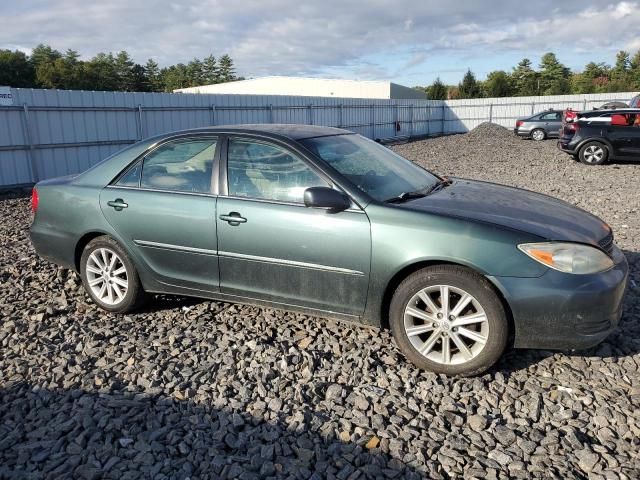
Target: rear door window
551	117
184	165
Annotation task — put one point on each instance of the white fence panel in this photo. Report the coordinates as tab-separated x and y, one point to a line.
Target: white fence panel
48	133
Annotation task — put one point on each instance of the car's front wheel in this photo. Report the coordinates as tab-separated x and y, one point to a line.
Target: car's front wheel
538	134
448	319
109	276
593	153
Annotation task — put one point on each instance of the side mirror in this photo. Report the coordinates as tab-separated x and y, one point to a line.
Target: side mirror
325	197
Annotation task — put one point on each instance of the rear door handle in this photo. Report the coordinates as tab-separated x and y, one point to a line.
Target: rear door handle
234	218
118	204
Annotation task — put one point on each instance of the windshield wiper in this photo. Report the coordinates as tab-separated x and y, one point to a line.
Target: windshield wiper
404	196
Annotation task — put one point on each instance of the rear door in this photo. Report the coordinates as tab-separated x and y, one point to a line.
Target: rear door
274	248
163	208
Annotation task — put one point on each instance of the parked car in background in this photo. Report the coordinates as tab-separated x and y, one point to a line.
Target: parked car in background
611	106
324	221
595	137
540	126
635	102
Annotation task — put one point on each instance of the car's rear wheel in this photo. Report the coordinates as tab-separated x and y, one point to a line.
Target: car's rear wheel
593	153
109	276
538	134
448	319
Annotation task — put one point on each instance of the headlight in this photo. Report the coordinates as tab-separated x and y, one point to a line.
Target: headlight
568	257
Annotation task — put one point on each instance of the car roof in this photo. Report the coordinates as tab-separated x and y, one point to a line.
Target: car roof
290	131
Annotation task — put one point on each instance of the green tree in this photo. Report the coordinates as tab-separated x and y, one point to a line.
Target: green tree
469	87
174	77
152	71
437	90
524	79
195	73
139	80
210	74
100	73
124	72
43	58
498	84
591	79
554	76
16	70
226	69
622	66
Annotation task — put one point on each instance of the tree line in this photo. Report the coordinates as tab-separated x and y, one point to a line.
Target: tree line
551	78
50	68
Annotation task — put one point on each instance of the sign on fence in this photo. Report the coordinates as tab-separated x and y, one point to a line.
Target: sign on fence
5	97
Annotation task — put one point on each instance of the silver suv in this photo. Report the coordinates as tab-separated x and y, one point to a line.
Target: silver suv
540	126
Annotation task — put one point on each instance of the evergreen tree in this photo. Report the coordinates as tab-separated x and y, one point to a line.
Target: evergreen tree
498	84
174	77
554	76
99	73
210	74
226	69
524	79
195	73
591	79
469	87
124	72
437	90
152	72
43	58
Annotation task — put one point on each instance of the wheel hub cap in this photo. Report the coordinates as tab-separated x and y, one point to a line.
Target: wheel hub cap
446	324
107	276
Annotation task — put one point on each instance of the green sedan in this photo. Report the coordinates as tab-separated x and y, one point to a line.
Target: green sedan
326	222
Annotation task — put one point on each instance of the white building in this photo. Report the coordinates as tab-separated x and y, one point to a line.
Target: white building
311	87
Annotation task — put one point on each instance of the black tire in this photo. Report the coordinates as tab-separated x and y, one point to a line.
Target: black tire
593	153
475	285
134	296
538	134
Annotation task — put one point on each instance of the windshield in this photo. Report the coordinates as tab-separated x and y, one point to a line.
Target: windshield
373	168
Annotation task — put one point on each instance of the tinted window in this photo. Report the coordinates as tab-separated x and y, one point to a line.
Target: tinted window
183	166
132	177
261	170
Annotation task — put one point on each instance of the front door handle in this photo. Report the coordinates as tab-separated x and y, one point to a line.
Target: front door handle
234	218
118	204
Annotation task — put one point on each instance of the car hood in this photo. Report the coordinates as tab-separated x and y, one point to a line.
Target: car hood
514	208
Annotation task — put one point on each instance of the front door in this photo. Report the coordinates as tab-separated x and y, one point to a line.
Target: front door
272	247
624	135
163	209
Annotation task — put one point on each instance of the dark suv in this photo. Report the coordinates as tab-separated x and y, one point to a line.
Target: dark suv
597	136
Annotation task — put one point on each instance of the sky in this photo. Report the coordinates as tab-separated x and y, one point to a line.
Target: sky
407	41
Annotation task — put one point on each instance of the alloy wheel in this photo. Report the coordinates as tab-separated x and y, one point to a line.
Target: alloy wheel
107	276
537	135
593	154
446	324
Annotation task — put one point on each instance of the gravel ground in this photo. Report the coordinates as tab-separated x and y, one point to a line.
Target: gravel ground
194	389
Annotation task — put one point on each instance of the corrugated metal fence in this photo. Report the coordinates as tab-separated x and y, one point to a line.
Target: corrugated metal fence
47	133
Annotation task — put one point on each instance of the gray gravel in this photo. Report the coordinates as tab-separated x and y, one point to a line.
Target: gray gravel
194	389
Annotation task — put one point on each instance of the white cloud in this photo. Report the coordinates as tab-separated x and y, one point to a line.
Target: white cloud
297	37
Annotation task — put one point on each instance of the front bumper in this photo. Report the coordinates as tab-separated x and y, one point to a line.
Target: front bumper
562	311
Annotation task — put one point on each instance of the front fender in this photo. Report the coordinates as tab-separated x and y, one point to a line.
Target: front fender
402	238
